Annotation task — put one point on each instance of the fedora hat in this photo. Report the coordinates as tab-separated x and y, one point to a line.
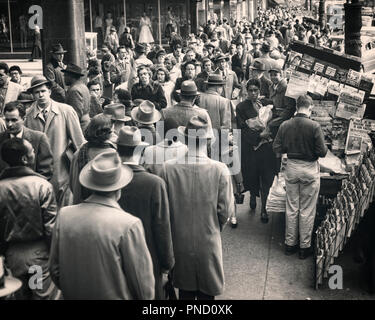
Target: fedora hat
258	66
197	127
74	69
58	48
220	57
25	97
276	69
38	81
105	173
140	48
146	113
215	78
11	285
130	136
116	111
188	88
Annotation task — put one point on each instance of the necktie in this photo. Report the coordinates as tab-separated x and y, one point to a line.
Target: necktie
45	115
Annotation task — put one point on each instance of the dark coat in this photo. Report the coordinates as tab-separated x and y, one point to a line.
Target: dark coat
78	96
53	73
43	154
146	198
153	92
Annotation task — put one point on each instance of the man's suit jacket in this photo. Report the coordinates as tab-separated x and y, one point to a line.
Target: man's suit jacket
43	154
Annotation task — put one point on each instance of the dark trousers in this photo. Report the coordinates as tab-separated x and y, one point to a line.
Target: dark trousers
193	295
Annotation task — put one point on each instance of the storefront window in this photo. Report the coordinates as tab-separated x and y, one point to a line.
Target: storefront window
15	34
111	12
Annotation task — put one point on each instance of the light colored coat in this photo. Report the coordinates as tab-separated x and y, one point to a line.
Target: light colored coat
62	126
218	107
99	252
200	202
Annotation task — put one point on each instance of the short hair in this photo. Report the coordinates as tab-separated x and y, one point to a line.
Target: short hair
4	66
121	47
99	129
171	59
15	105
125	151
192	62
124	96
93	83
15	68
253	82
304	101
143	67
12	151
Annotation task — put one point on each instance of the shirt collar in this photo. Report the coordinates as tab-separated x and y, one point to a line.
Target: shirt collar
18	135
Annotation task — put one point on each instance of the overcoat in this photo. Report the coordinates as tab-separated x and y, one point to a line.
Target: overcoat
99	252
146	198
62	127
200	201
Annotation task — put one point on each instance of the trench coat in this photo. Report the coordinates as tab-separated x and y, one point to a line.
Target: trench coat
99	251
53	73
61	128
146	198
200	202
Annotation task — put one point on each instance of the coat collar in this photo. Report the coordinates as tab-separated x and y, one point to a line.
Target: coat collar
17	172
94	198
35	110
135	167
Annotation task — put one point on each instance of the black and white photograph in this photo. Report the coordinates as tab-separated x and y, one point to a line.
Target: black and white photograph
187	150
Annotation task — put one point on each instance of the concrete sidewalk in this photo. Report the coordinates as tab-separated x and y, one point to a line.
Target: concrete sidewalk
256	267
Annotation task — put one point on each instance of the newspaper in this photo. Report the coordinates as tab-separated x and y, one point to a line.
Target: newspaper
298	84
358	135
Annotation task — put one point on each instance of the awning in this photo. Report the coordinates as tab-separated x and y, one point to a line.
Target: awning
275	3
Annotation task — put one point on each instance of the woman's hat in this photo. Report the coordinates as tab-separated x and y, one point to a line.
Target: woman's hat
146	113
58	48
215	78
105	173
38	81
130	136
140	48
197	128
116	111
188	88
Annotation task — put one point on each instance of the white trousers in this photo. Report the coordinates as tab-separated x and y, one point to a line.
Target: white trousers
302	190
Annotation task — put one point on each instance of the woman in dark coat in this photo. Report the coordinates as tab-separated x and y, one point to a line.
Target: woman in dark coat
258	162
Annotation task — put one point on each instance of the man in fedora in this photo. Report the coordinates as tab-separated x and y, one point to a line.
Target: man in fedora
98	250
26	99
116	111
147	89
265	58
218	107
257	72
60	123
53	73
229	76
146	197
14	114
78	95
27	215
186	108
140	57
198	271
145	116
